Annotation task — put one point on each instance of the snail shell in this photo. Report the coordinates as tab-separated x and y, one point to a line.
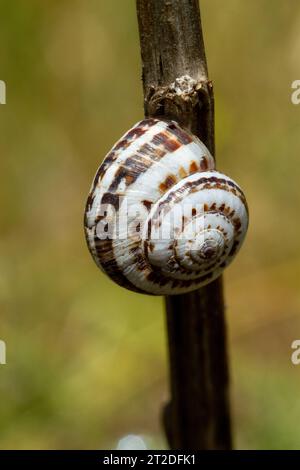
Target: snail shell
159	218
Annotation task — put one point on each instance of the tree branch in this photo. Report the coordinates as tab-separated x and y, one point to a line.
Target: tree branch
176	86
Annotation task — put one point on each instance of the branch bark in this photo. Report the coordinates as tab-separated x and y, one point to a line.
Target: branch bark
176	86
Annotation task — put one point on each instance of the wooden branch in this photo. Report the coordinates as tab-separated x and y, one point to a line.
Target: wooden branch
176	86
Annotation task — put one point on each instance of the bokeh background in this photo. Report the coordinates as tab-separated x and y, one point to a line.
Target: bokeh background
86	360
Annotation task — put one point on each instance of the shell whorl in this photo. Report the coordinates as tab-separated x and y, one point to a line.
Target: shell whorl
159	218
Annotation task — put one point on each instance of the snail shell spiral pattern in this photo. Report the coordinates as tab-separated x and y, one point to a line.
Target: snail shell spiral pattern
159	218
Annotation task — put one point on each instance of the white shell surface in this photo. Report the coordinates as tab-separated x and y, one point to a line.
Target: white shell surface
172	222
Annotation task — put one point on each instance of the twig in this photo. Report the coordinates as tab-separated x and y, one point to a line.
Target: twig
176	86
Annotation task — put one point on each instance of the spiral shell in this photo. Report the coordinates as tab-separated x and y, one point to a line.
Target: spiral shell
159	218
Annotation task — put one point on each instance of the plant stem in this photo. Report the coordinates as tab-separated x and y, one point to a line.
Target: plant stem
176	86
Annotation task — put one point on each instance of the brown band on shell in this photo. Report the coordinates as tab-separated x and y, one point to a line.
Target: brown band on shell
161	144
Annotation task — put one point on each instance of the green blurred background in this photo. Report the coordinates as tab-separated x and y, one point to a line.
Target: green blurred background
87	360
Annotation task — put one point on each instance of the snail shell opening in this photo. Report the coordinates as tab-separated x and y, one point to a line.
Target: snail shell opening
159	218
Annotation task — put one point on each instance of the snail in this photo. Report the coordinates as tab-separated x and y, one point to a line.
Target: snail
159	218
